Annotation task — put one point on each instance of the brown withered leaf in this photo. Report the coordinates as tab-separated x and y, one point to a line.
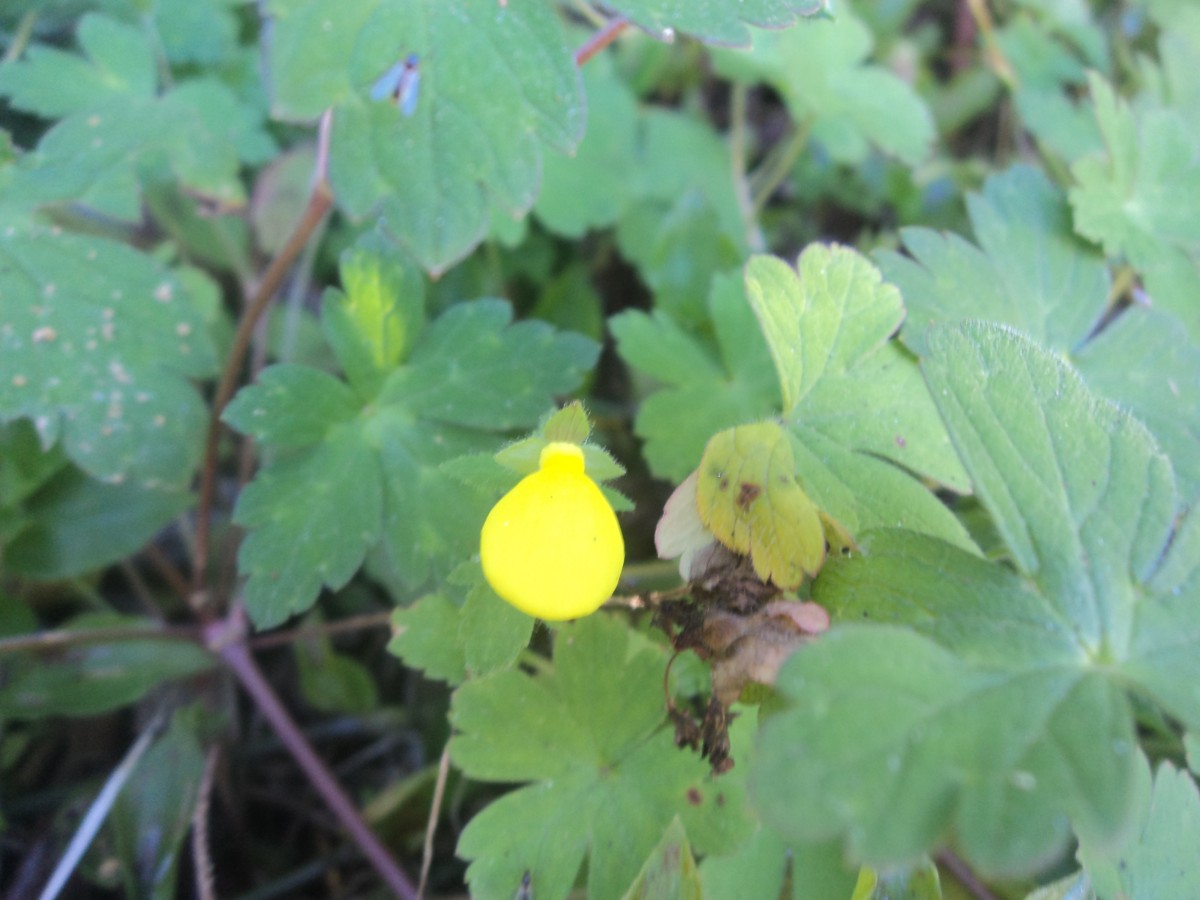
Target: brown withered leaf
745	629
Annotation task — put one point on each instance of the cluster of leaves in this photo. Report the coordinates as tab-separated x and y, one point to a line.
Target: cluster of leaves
974	374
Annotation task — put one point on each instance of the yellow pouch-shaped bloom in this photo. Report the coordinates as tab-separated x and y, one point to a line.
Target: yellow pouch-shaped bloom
552	546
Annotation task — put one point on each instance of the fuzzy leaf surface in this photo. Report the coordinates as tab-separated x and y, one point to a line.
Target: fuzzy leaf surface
1150	366
1030	271
967	697
426	636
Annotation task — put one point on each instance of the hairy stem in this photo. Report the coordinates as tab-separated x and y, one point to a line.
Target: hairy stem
201	857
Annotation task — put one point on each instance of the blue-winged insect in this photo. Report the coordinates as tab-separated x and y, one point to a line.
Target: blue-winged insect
400	84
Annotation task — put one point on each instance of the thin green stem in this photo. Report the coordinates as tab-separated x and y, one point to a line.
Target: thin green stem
778	165
20	37
536	661
738	136
996	59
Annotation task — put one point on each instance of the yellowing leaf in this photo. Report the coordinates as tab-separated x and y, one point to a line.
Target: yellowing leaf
552	546
748	497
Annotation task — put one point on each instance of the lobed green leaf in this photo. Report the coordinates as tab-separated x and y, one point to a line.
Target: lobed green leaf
1158	861
990	707
96	347
426	636
1079	491
852	398
606	778
1029	271
116	121
670	871
706	388
497	83
820	69
358	471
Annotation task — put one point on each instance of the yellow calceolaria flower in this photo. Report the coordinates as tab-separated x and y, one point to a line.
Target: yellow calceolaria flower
552	546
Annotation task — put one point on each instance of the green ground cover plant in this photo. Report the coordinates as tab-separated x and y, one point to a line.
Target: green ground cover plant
857	343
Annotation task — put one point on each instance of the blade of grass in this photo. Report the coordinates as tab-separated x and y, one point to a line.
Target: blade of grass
99	810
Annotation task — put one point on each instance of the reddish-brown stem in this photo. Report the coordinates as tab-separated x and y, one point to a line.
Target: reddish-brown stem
319	203
353	623
226	640
167	570
962	873
55	640
600	39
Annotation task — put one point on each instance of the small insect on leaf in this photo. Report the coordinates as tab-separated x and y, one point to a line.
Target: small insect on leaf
552	546
400	84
